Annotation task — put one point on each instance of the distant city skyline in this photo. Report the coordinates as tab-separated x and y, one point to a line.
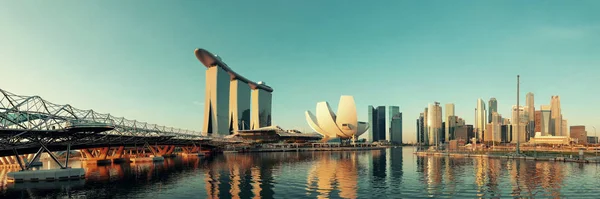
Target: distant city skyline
136	60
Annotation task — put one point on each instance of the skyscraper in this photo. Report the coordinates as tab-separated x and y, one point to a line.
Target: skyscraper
420	130
565	128
493	107
434	123
426	126
239	106
538	121
449	127
578	134
381	123
372	126
530	113
518	121
556	116
232	102
377	123
480	119
546	120
496	127
452	123
261	107
395	124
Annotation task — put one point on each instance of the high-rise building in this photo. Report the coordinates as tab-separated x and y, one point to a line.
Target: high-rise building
452	123
538	121
381	123
460	122
496	127
519	122
216	103
449	127
434	123
578	134
239	106
232	102
377	123
395	127
592	140
443	133
480	119
506	133
487	134
261	107
506	121
493	107
464	133
530	113
564	129
372	126
556	116
426	126
420	129
546	120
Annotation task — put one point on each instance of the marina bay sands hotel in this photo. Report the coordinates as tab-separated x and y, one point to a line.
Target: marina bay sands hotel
232	102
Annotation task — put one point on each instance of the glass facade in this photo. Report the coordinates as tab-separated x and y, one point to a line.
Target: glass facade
493	107
377	123
372	119
381	123
216	103
395	127
545	121
261	108
239	106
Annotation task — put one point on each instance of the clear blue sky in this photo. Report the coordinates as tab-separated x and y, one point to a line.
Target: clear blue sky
135	58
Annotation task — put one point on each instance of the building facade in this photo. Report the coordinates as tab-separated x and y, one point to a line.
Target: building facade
480	119
377	123
216	102
538	122
395	127
546	118
434	123
493	107
530	113
261	106
578	134
232	102
519	122
592	140
565	128
450	122
420	130
556	116
426	126
239	106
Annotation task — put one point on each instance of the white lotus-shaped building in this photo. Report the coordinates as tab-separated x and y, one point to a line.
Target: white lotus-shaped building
344	125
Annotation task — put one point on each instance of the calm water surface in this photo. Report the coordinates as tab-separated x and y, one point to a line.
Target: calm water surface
390	173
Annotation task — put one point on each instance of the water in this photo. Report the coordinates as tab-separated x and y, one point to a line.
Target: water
390	173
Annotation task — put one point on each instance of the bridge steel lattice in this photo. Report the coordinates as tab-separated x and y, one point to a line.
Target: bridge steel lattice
30	122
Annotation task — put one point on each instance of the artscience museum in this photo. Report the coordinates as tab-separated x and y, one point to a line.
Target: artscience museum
343	125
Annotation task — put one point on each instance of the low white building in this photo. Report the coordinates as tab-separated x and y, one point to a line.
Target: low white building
549	139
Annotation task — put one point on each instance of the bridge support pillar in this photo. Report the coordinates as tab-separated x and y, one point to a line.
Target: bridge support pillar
104	155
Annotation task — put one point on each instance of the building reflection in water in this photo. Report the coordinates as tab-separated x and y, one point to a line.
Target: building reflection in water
330	174
442	175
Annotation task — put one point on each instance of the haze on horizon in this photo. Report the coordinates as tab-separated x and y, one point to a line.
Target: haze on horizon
136	60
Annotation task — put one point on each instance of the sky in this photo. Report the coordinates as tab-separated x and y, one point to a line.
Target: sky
135	59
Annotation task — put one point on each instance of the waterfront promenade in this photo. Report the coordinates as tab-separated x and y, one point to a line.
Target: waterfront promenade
559	155
305	147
